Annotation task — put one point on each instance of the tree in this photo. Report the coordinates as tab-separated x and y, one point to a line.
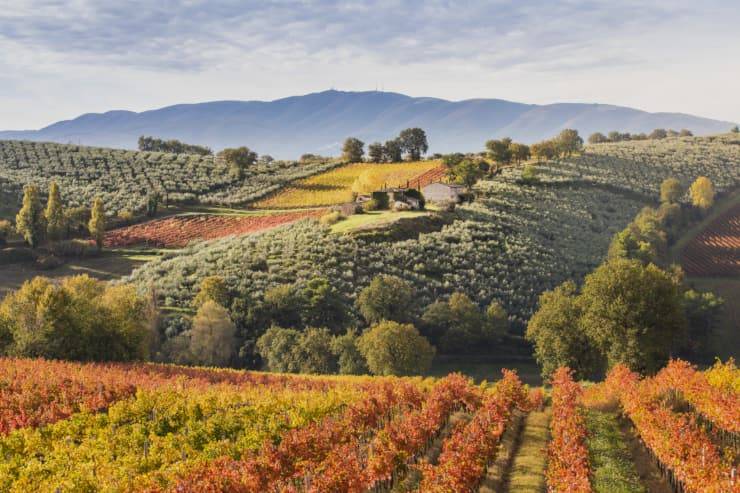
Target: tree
633	313
375	152
152	203
643	239
670	191
457	324
386	298
313	352
393	151
276	347
703	310
54	214
597	138
558	340
350	360
497	321
569	141
391	348
323	305
76	219
545	150
212	288
213	335
520	152
451	160
499	150
353	150
414	143
467	172
239	159
5	228
658	133
30	222
529	174
702	193
735	129
96	226
685	133
284	305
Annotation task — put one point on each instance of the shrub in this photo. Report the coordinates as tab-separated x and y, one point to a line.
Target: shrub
72	248
5	228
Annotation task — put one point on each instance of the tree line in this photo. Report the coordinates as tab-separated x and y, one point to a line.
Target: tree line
411	143
172	146
634	308
657	134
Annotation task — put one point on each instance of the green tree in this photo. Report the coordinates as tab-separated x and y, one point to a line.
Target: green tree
685	133
497	321
519	152
313	352
457	324
386	298
277	348
670	191
391	348
735	129
5	228
350	360
30	222
323	306
284	305
643	239
239	159
500	150
375	152
597	138
703	311
545	150
213	335
414	143
558	340
212	288
353	150
467	172
96	226
529	174
701	193
569	141
392	150
633	313
54	214
658	133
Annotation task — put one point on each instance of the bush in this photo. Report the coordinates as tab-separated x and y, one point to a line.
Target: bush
126	217
48	262
72	248
5	228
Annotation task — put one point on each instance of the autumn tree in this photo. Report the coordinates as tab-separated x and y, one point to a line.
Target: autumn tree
414	143
5	228
30	221
212	336
353	150
54	214
702	193
212	288
670	191
375	152
386	298
239	160
499	150
391	348
545	150
96	226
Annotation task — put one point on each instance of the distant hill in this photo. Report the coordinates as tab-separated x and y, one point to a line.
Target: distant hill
319	122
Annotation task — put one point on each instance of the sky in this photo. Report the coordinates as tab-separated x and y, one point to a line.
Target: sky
60	59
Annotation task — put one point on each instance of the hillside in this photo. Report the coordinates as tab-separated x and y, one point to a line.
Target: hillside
319	122
124	178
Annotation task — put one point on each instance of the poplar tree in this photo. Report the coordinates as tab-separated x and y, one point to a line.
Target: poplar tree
54	214
97	222
30	222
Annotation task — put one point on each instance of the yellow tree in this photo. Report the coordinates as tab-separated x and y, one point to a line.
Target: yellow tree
702	193
97	222
54	213
30	222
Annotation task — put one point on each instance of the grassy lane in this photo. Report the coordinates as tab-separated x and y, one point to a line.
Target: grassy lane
498	472
527	472
613	467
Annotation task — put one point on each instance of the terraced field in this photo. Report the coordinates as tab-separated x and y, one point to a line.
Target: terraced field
336	186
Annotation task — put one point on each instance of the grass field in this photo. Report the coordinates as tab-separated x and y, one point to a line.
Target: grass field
335	186
373	219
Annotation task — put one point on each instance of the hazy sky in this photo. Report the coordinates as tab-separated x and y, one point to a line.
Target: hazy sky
59	59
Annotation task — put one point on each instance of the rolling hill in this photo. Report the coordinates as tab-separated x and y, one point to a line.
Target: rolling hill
318	122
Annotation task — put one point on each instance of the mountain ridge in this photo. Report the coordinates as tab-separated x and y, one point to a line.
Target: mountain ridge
319	122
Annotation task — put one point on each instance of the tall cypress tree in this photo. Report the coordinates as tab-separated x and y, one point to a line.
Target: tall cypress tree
54	213
97	222
30	221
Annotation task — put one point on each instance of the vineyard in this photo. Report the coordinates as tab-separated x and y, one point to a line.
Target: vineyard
716	250
124	178
178	231
336	186
147	427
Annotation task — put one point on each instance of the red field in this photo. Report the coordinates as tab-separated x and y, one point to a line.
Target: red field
178	231
716	250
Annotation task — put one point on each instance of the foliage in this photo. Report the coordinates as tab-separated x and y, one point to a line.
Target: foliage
391	348
569	142
5	229
557	338
375	152
172	146
670	191
386	298
702	193
96	226
467	172
393	150
79	319
239	160
212	340
353	150
212	288
349	358
413	142
703	311
54	214
458	324
30	221
643	239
